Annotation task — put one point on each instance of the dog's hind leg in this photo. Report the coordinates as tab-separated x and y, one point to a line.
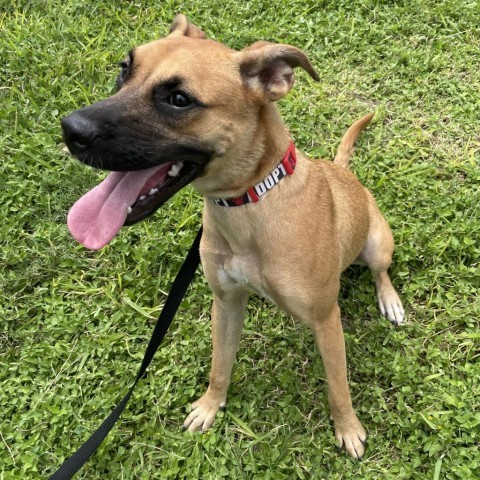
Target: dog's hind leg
377	255
227	323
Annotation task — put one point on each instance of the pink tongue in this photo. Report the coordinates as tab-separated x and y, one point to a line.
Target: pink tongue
98	216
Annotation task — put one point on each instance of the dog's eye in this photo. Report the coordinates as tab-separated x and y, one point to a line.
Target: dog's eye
178	99
122	76
124	69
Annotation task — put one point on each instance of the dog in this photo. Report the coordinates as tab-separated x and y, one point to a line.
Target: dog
190	110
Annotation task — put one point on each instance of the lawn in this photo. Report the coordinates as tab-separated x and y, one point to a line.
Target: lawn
74	323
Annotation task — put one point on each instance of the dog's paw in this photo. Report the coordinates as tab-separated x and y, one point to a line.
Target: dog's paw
352	437
203	413
391	307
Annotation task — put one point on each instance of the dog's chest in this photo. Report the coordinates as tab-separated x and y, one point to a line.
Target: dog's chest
238	271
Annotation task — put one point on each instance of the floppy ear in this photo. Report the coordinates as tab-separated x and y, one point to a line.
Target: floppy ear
267	69
180	26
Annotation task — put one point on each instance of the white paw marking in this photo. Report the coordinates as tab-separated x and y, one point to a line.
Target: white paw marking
202	416
391	307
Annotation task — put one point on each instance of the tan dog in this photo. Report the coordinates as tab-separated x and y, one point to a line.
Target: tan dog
189	109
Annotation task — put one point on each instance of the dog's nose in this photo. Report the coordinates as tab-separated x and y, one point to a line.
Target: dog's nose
79	132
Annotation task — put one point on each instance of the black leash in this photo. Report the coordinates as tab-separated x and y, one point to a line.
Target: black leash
179	287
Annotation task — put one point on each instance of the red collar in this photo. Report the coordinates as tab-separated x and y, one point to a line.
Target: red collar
255	193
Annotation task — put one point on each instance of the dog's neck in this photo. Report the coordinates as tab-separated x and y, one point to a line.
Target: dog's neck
253	157
256	192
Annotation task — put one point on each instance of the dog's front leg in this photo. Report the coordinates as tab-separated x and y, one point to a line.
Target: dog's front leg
349	432
227	323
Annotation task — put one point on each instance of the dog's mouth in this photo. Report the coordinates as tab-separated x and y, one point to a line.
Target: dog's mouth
162	185
125	198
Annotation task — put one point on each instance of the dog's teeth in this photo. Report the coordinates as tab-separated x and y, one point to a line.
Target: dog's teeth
129	210
174	171
153	191
143	197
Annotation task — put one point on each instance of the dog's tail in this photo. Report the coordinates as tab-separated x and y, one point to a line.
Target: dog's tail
345	149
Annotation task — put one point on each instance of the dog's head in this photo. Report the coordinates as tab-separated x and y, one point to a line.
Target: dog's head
182	103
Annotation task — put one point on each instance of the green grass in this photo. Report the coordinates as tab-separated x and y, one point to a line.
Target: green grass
74	324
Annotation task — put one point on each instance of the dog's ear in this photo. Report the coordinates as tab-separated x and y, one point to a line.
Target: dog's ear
267	69
181	26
